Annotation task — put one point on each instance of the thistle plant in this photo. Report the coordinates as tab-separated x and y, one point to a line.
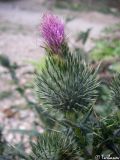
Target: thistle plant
56	80
68	85
66	90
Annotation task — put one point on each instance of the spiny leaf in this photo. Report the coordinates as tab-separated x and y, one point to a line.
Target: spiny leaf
66	85
55	146
115	91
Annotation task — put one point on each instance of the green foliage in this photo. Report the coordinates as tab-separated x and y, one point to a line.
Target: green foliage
107	137
83	36
55	146
72	5
116	91
66	87
115	67
88	5
108	46
112	29
46	118
105	50
4	61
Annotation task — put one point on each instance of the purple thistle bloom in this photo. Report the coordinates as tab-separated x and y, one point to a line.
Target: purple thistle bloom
52	29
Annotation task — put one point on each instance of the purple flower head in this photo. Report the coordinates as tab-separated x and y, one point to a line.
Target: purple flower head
52	29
